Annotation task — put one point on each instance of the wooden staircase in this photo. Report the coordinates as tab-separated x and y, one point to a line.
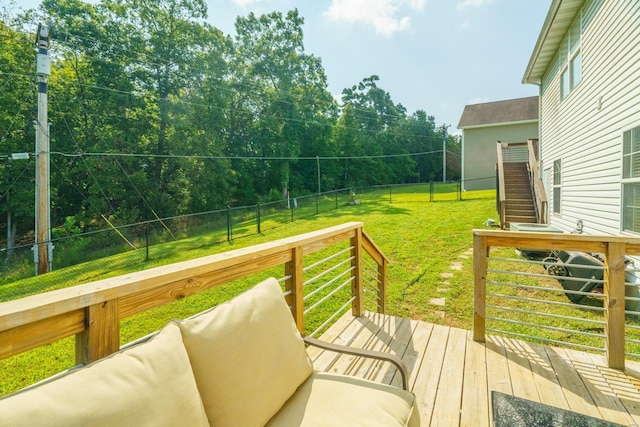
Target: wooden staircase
519	203
520	193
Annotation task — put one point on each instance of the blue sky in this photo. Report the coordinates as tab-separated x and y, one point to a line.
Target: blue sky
431	55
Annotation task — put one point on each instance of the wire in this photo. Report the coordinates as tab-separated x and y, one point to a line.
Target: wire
64	118
201	157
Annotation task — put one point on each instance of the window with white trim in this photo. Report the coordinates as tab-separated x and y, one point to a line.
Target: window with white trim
631	180
557	185
571	58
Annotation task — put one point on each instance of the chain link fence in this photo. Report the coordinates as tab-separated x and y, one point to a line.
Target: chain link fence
137	246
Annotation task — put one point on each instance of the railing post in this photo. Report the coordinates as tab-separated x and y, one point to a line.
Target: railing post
480	264
614	290
356	284
101	336
293	287
382	287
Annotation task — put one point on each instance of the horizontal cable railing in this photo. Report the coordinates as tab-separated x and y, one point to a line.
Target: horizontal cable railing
564	289
93	311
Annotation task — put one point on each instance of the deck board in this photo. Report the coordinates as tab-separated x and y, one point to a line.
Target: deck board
453	376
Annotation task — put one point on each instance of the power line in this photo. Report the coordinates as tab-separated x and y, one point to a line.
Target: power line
203	157
161	61
157	61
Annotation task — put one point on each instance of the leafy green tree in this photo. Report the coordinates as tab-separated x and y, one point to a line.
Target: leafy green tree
371	122
285	103
17	102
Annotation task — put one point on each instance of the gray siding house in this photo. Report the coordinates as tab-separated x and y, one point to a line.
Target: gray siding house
482	125
586	64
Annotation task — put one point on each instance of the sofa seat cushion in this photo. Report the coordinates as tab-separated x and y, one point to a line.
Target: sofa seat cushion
336	400
247	356
149	384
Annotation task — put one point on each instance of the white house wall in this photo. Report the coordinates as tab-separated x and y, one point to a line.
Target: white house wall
585	129
479	145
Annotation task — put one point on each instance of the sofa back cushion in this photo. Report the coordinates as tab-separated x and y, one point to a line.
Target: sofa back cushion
147	384
247	356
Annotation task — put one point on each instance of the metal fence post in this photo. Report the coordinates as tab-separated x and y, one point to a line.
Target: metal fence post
229	232
431	191
258	217
146	234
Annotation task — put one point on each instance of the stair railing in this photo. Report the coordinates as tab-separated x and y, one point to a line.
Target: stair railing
537	187
502	194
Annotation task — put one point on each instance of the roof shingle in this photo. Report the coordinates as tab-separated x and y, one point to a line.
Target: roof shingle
509	111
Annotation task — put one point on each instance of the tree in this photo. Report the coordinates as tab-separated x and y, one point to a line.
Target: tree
370	125
284	99
17	135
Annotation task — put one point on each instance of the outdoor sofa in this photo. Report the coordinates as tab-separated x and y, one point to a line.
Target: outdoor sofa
242	363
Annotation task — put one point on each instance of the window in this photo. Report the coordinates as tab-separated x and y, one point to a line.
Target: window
631	180
557	189
571	58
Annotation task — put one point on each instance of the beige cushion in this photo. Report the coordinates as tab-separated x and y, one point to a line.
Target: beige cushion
247	356
337	400
150	384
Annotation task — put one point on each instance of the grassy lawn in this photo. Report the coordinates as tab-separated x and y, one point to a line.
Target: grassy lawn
421	238
430	276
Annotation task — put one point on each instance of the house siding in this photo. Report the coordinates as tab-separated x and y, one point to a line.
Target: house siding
585	129
479	145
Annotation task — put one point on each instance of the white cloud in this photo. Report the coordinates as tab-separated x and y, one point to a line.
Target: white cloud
245	3
464	25
479	100
469	4
382	14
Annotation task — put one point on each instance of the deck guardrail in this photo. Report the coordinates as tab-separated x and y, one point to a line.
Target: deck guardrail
93	311
615	322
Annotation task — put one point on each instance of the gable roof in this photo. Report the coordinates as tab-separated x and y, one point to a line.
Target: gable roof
559	18
500	112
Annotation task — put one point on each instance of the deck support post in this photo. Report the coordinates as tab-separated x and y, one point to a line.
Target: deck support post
480	264
357	308
293	287
614	290
101	336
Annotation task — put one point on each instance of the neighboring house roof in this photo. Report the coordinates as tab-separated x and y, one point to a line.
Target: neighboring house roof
559	18
500	112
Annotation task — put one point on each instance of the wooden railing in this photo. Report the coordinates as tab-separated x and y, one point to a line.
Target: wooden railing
502	194
93	311
614	248
523	150
537	187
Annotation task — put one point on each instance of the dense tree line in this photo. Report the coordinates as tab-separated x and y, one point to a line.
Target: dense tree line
156	112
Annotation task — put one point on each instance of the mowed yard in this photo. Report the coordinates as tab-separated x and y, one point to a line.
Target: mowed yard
430	274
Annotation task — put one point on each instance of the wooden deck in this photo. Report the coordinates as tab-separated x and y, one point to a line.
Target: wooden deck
453	376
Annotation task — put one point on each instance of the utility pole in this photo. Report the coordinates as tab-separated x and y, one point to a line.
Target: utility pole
444	152
43	248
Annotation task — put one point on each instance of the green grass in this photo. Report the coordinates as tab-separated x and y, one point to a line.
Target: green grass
421	239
